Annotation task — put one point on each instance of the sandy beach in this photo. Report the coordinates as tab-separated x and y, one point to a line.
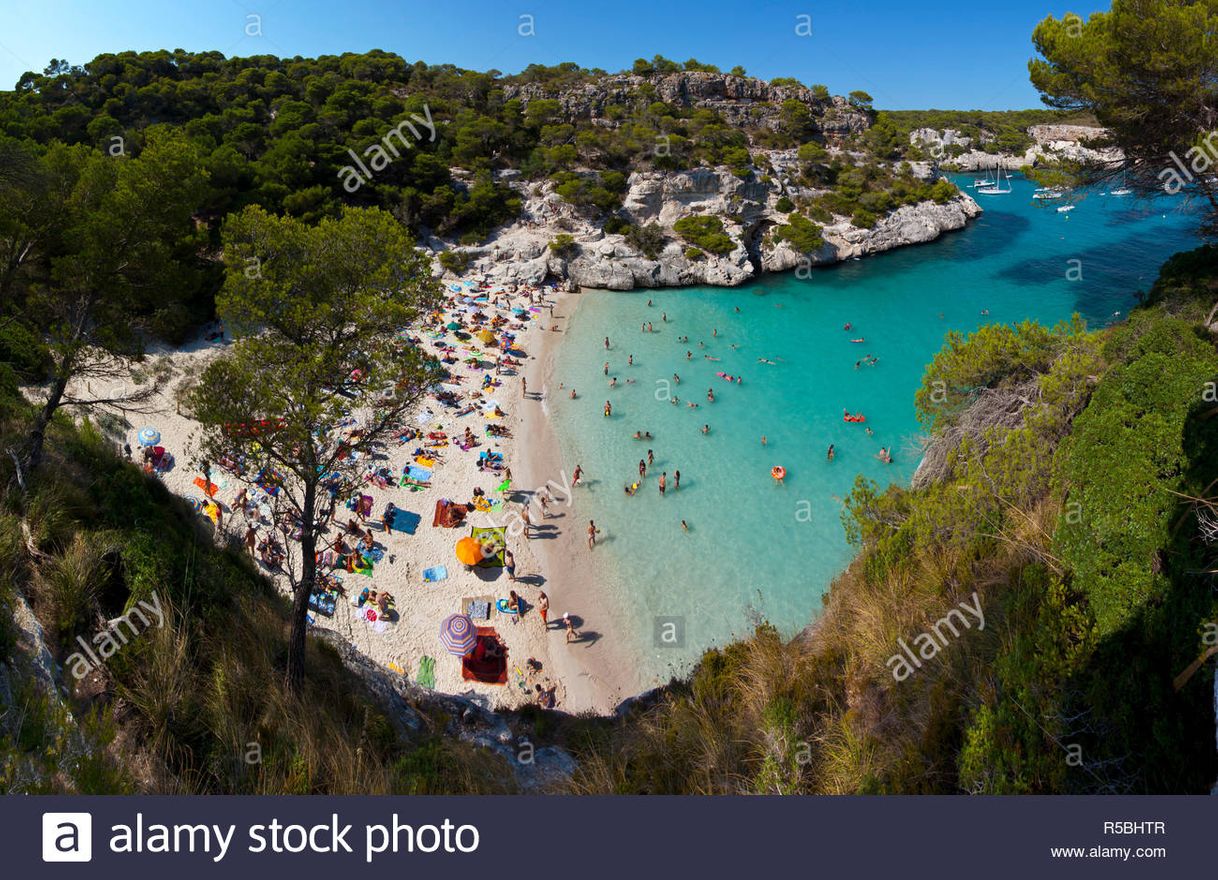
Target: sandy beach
588	673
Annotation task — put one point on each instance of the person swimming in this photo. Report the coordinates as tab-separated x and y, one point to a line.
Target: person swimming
632	488
830	453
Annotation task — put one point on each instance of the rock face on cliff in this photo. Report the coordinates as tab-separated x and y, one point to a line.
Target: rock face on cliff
741	101
520	253
1073	143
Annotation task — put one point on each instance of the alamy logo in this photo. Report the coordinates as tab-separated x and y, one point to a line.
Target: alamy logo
67	837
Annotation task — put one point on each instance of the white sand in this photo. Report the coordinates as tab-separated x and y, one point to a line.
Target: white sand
590	673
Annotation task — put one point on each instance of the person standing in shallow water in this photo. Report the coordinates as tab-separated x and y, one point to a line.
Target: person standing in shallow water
676	480
651	458
642	469
663	482
593	531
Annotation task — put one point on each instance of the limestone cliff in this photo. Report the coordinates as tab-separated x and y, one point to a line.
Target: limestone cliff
520	253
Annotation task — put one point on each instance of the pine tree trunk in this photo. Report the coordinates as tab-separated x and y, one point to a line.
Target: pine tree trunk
38	433
300	602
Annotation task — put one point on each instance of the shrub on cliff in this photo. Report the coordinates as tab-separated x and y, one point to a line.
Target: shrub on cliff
564	246
801	233
705	232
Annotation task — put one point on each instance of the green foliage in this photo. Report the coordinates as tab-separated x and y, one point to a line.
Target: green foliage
1137	69
454	261
602	191
784	205
564	246
802	233
706	233
648	240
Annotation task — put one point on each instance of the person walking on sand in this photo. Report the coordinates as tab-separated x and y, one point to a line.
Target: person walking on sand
663	482
543	608
572	632
251	540
526	519
509	563
543	501
593	531
524	387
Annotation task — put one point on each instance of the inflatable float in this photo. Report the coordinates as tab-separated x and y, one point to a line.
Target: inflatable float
854	417
501	605
778	472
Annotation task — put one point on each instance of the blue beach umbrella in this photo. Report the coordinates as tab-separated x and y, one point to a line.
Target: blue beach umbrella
148	437
458	635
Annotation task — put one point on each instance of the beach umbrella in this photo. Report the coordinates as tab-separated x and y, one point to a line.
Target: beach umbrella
458	635
469	551
148	437
486	336
453	325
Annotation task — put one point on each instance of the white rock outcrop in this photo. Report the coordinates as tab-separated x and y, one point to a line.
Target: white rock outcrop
521	252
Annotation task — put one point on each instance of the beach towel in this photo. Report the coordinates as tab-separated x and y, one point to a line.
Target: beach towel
323	602
434	574
376	554
418	474
494	542
210	489
424	462
478	610
427	672
406	522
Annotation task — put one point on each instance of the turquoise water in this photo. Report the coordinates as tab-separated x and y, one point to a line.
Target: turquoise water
755	548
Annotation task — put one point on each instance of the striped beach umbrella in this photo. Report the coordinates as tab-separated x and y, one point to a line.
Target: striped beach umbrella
458	635
148	437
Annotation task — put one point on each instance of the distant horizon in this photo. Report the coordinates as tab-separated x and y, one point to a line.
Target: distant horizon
941	55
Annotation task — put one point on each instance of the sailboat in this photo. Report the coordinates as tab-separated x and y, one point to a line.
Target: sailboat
996	189
1123	190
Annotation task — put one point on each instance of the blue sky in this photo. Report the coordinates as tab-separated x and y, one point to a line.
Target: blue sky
935	53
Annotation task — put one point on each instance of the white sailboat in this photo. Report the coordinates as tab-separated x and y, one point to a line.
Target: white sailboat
1123	190
996	188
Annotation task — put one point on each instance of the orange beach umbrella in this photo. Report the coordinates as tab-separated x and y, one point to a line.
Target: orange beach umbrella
469	551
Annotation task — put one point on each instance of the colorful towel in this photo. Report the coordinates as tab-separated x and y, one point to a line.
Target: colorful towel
210	489
427	672
434	574
418	474
479	610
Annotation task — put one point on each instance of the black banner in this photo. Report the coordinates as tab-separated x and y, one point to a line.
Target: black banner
508	837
